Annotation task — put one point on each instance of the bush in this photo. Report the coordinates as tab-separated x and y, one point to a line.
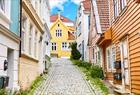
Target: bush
97	72
75	54
3	92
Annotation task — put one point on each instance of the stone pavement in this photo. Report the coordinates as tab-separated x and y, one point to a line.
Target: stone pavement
64	79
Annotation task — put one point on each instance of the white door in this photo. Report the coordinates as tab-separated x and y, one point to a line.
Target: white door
125	65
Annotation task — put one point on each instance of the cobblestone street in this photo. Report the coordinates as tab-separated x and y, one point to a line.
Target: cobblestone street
64	79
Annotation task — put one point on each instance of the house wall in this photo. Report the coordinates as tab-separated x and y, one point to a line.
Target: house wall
9	43
27	65
59	40
128	22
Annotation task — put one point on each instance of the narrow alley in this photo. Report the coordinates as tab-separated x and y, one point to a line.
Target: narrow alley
64	79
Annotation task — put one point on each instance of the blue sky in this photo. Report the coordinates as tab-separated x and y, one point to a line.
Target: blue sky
68	7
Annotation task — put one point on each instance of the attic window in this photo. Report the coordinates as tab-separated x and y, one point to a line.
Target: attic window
58	25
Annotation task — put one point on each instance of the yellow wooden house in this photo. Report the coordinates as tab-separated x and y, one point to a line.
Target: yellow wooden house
62	33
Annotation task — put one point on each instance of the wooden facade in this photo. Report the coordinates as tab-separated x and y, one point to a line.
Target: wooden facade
127	26
121	42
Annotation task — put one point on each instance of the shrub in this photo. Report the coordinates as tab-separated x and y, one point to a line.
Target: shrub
75	54
3	92
97	72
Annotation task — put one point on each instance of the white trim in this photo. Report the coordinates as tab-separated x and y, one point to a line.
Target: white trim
5	17
97	16
108	69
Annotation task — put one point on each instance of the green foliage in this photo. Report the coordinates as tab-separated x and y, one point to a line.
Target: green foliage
97	72
75	54
32	88
3	92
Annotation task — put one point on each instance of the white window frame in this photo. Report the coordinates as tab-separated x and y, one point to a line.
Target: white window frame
79	28
30	38
58	33
5	13
35	44
54	46
2	5
64	46
122	4
116	8
108	57
113	54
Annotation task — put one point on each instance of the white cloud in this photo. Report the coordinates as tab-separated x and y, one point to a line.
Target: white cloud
76	1
57	4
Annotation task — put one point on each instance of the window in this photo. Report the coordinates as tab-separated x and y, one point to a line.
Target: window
80	48
23	38
58	25
113	57
58	33
70	43
108	57
122	4
30	38
79	29
53	46
35	44
89	22
64	46
93	54
24	23
116	8
2	5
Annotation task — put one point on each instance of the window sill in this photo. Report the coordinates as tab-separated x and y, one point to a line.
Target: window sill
5	17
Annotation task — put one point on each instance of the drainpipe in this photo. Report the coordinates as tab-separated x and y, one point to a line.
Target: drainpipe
20	26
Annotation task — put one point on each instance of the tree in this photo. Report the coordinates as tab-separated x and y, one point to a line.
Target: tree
75	54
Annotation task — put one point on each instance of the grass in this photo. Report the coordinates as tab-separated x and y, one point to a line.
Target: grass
87	69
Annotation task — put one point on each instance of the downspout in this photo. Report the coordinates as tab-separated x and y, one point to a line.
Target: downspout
20	29
20	26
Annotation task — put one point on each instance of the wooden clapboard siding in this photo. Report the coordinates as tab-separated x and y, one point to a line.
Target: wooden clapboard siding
109	76
128	22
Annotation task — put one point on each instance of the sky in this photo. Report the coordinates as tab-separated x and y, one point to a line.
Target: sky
68	7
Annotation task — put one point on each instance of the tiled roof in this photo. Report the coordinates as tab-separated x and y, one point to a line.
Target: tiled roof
63	19
70	36
103	11
87	5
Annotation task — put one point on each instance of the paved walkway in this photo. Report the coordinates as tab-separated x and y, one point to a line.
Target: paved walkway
64	79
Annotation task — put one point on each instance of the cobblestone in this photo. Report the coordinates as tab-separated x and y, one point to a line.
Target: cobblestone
64	79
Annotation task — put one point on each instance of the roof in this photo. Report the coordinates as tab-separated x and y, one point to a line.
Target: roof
87	5
71	36
53	18
71	28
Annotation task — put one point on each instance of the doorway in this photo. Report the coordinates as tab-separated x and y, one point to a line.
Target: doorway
124	63
10	73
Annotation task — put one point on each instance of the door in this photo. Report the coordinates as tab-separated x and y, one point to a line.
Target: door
124	61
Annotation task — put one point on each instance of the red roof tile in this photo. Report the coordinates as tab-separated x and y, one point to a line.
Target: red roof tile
87	5
63	19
